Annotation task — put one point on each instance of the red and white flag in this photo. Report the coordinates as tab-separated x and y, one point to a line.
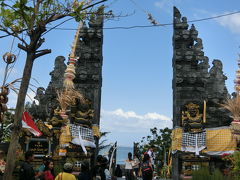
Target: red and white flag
29	124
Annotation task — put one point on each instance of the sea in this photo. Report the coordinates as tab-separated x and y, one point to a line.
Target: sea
122	153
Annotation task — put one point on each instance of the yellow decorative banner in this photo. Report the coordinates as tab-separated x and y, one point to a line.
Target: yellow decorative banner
96	131
220	139
177	139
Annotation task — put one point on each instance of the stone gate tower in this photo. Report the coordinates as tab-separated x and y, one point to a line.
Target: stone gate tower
193	82
84	115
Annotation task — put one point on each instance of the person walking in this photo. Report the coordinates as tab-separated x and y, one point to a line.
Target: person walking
136	164
147	169
151	154
48	171
84	174
66	174
26	169
98	171
40	169
129	167
118	172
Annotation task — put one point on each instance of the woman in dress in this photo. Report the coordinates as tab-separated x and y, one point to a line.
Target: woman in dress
129	167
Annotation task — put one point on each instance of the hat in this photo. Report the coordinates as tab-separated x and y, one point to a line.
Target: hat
67	166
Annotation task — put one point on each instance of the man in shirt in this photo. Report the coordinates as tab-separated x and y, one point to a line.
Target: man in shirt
26	169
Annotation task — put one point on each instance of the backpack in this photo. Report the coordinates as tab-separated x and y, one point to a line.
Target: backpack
146	168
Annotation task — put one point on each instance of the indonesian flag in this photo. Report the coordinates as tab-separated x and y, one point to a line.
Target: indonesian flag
29	124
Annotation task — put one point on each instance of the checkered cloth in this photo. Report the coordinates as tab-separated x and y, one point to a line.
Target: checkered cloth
189	139
195	167
86	133
194	142
219	141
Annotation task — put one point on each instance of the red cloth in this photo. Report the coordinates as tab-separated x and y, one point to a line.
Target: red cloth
48	175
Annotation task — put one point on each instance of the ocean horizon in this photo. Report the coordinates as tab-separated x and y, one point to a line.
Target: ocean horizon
122	153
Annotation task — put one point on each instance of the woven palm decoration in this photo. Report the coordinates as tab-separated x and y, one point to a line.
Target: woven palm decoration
69	95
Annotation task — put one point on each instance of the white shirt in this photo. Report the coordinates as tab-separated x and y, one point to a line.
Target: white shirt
151	154
136	163
128	164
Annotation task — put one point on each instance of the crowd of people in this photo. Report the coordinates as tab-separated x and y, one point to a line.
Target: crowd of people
140	167
135	167
46	170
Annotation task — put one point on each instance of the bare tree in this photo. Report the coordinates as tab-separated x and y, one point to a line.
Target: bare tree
31	17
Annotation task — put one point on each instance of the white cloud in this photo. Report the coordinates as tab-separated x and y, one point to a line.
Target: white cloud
231	22
127	127
129	121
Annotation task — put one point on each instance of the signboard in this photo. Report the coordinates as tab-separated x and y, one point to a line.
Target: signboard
39	146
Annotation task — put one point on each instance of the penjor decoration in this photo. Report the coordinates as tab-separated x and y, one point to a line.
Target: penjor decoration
233	105
76	134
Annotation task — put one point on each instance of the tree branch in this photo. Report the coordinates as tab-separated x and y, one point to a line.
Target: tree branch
93	4
42	52
60	16
5	35
22	47
55	17
14	34
40	42
57	26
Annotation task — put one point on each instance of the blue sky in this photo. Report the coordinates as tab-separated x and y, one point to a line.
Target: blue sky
137	65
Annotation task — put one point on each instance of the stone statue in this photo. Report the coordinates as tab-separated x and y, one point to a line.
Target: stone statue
83	113
192	119
184	23
40	94
216	72
57	120
193	32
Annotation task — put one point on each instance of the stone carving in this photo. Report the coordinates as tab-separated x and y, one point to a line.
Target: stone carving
47	98
193	32
198	46
216	72
40	94
194	82
44	129
192	119
83	113
57	120
192	79
88	81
